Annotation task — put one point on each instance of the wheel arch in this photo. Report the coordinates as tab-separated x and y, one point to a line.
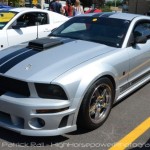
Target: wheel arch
83	81
106	79
110	77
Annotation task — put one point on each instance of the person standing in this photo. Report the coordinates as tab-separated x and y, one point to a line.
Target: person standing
125	7
56	6
68	8
78	9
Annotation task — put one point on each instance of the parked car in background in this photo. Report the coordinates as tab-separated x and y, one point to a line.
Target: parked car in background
95	10
19	25
74	76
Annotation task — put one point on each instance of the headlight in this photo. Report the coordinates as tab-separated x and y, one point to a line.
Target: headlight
50	91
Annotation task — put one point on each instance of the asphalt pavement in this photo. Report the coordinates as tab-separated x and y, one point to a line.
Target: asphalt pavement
125	117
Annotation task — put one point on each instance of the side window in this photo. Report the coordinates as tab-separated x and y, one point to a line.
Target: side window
31	19
42	18
26	20
142	29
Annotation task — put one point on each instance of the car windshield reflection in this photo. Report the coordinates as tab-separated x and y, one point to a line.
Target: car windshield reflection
5	17
102	30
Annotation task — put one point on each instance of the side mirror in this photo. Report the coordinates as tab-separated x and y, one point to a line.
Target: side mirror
19	25
139	39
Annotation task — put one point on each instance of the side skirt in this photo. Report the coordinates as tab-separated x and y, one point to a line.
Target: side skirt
133	85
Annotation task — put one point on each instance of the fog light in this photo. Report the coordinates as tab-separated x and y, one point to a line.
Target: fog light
36	123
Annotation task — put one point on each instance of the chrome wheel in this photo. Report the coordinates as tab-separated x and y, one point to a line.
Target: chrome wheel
97	104
100	103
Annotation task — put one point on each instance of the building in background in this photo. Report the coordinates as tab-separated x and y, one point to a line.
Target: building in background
138	6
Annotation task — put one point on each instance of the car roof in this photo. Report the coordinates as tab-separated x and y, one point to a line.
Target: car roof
118	15
21	9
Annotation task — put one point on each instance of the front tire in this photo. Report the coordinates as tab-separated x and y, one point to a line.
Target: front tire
96	105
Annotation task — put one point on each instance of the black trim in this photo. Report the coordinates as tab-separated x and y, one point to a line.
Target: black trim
12	85
124	87
50	91
12	59
44	43
10	64
48	111
11	55
63	122
140	78
129	84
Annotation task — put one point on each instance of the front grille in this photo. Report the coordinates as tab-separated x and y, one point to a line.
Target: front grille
13	85
4	117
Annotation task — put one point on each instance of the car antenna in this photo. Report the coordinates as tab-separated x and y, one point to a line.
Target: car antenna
37	24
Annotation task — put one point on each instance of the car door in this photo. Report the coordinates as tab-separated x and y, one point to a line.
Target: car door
44	27
5	18
140	54
27	27
3	39
23	29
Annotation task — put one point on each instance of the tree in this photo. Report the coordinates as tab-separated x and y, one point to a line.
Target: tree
114	3
117	2
14	3
109	3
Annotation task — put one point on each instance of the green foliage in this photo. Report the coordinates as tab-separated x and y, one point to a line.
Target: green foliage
114	2
106	9
109	3
14	2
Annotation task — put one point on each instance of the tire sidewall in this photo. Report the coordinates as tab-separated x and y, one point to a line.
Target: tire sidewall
84	117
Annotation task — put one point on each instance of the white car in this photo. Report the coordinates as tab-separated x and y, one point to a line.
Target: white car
24	24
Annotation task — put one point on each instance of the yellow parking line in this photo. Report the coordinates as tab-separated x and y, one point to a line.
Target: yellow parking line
132	136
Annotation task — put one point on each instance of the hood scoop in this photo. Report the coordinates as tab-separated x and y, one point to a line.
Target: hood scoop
44	43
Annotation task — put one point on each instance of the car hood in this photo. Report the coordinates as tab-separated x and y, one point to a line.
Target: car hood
46	65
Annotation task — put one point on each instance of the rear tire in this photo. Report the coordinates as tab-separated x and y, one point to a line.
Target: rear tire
96	105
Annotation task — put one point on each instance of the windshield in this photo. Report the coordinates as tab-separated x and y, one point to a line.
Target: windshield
5	17
108	31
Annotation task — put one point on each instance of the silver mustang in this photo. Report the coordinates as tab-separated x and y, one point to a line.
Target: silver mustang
73	77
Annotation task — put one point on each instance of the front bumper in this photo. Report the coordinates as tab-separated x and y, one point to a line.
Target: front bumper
20	114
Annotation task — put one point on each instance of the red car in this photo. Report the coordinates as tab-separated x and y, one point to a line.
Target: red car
95	10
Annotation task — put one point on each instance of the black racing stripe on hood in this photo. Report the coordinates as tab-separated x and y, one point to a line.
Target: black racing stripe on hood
14	58
11	55
106	15
10	64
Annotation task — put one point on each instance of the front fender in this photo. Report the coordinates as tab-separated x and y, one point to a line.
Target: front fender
77	81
